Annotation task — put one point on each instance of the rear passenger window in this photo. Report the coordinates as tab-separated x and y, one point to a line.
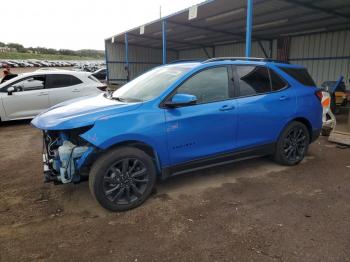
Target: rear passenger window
74	80
253	80
208	85
299	74
60	80
277	83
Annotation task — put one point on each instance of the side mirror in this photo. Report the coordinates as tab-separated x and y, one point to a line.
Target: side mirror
179	100
10	90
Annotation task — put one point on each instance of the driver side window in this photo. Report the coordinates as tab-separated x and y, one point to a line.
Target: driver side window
31	83
209	85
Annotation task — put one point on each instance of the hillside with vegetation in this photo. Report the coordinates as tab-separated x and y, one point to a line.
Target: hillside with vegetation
18	51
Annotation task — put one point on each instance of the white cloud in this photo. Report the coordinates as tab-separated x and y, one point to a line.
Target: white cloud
78	24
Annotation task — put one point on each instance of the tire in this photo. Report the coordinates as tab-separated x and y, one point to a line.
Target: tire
292	144
122	178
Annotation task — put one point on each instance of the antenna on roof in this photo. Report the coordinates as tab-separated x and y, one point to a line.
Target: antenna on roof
160	12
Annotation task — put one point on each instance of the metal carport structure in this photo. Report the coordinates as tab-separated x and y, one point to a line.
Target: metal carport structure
310	32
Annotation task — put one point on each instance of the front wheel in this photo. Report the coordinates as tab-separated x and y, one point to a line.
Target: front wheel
122	178
292	144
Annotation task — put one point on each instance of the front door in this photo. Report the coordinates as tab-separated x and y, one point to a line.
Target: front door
29	99
208	127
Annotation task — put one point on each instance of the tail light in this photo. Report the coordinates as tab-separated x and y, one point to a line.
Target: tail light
326	102
319	95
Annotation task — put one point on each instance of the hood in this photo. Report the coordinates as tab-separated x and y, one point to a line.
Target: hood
80	112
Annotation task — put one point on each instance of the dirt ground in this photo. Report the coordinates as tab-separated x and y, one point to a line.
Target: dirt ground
254	210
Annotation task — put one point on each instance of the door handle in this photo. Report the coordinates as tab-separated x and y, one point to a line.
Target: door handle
75	90
282	98
227	107
43	94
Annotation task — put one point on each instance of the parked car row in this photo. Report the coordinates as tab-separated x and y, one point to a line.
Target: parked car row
46	63
89	66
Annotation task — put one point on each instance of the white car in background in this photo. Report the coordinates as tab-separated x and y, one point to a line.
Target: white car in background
28	94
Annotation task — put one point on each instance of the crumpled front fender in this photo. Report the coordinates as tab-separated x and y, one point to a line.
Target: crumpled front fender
147	127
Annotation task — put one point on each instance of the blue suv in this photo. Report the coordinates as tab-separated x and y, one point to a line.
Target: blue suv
179	118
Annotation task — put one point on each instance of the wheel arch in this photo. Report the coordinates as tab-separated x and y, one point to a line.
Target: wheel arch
148	149
305	122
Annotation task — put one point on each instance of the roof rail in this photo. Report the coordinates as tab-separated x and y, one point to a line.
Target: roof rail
215	59
186	61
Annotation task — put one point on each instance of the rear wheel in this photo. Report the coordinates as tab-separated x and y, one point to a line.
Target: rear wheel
122	179
292	144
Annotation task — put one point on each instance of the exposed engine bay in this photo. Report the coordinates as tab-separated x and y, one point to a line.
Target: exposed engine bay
65	154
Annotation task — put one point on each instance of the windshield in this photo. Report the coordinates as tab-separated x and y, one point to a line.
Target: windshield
151	84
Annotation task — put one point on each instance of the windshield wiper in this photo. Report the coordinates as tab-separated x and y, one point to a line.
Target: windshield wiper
120	99
126	100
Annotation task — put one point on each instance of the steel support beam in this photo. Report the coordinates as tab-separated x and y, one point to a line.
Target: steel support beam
271	48
169	40
206	52
317	8
145	46
248	39
126	56
210	29
106	59
263	49
164	40
206	29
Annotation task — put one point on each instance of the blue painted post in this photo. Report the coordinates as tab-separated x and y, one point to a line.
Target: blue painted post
126	56
164	40
248	36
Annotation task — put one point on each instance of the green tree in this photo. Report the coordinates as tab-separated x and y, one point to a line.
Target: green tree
19	47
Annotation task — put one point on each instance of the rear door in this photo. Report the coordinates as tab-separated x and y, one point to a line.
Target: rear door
265	105
62	87
30	99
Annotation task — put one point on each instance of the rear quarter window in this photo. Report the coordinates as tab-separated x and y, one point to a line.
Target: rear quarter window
61	80
91	77
277	83
299	74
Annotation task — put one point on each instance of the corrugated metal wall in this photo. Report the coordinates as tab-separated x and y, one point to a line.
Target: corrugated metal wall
326	49
226	50
320	53
141	59
239	49
197	53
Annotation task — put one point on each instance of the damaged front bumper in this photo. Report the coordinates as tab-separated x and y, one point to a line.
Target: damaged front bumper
65	157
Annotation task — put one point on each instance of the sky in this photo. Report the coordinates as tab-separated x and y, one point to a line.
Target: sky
78	24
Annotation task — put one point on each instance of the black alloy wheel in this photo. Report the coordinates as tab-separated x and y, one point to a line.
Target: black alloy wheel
292	144
295	144
125	181
122	178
